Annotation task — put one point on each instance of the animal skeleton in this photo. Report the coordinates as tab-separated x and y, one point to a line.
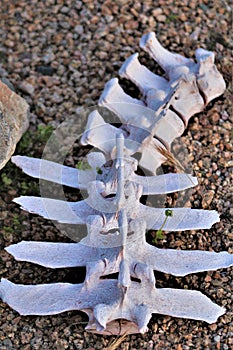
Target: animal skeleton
116	225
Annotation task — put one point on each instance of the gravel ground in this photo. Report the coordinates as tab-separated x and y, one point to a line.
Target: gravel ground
58	55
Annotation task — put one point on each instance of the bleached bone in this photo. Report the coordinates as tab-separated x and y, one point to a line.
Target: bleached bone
105	299
182	219
208	75
116	226
142	124
190	76
137	140
210	81
119	102
100	134
167	129
188	304
96	159
166	183
171	261
142	76
96	204
72	177
53	209
165	125
78	212
51	171
167	60
187	102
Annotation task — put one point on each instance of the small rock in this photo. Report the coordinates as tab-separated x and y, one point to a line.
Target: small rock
14	121
161	18
7	343
65	25
195	34
214	166
49	81
8	83
65	9
207	198
183	17
215	117
48	57
45	70
9	43
229	164
225	115
157	12
56	98
208	278
213	327
26	87
217	338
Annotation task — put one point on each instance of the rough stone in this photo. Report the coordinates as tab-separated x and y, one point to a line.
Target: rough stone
14	121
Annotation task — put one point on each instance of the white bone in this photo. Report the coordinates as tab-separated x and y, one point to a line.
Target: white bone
167	60
53	209
166	183
100	134
209	80
142	76
95	159
59	297
51	171
181	220
140	253
115	99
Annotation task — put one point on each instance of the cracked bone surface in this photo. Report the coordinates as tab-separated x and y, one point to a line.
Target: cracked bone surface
116	220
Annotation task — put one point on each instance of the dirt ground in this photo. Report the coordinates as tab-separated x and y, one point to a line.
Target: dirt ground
59	55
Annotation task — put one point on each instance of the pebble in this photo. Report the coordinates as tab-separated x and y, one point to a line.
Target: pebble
48	58
65	9
217	338
195	34
161	18
26	87
45	70
157	12
79	29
